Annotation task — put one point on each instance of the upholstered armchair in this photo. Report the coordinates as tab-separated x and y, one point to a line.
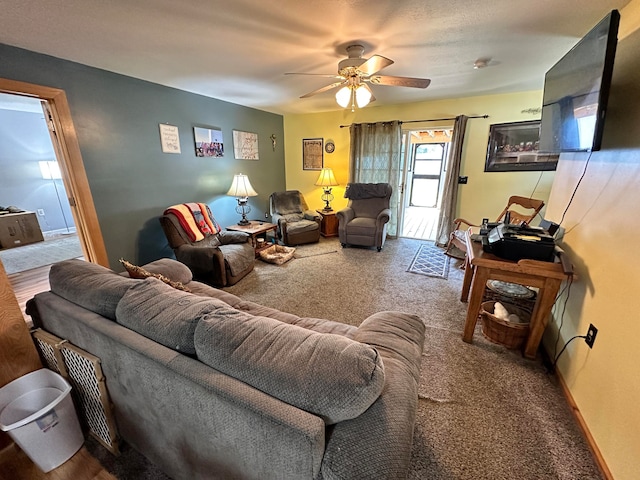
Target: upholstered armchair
364	220
296	223
217	257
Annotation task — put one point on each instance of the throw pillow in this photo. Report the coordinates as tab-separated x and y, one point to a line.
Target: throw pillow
163	314
328	375
140	273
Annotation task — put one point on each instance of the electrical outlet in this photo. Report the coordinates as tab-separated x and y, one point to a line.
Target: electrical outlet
41	212
591	335
266	215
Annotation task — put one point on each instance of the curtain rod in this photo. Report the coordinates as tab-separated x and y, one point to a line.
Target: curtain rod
430	120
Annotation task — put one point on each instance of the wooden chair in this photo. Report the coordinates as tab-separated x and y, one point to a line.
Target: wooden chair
516	217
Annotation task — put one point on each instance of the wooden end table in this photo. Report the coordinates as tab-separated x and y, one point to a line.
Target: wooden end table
329	224
256	229
481	266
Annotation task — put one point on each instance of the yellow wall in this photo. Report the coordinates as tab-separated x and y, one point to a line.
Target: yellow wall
486	193
602	233
602	239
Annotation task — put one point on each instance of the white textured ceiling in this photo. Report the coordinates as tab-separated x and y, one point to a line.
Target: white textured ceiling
239	50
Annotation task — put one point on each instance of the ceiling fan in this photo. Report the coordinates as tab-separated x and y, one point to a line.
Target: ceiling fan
354	75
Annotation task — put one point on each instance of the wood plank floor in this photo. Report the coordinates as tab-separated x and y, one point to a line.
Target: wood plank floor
420	222
26	284
14	463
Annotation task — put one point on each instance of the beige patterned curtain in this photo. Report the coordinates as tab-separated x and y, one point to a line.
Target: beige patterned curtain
450	192
375	158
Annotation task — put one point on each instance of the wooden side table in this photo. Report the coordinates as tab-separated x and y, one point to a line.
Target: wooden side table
255	229
329	225
481	266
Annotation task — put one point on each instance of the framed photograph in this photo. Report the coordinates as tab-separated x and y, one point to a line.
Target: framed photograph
513	147
208	142
312	154
245	145
169	138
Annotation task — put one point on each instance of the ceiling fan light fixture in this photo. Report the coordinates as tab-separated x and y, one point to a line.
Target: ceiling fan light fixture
343	96
481	63
363	96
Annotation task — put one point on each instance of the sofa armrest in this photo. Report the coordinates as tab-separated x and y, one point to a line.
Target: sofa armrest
388	424
312	215
383	217
282	224
346	215
228	237
202	261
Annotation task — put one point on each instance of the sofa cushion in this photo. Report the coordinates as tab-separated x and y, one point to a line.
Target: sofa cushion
89	285
164	314
135	271
170	268
328	375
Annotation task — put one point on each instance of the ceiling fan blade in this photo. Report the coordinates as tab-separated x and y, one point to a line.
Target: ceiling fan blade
326	75
324	89
400	81
374	64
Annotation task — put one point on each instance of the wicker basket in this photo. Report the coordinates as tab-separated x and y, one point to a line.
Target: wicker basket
504	332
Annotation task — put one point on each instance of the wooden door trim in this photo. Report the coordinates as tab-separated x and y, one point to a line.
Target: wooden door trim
71	166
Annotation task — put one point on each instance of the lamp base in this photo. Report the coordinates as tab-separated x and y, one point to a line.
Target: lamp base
244	222
327	209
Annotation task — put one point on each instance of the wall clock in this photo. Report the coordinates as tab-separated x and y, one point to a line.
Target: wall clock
329	147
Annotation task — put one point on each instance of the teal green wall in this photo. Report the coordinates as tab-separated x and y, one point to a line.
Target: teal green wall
116	119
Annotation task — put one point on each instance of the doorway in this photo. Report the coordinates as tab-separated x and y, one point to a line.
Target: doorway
426	152
32	188
69	159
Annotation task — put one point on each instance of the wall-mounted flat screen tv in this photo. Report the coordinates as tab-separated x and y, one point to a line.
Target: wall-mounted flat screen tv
576	90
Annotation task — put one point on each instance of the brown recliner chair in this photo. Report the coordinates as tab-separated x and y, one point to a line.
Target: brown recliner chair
216	257
296	223
364	220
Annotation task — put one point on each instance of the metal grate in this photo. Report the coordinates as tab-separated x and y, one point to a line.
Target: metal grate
83	371
48	346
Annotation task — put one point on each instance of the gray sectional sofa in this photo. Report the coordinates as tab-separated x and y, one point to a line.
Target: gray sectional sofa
206	385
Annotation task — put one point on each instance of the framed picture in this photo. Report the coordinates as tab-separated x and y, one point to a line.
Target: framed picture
312	154
169	138
245	145
513	147
208	142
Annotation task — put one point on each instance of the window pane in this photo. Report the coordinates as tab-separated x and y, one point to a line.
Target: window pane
425	192
427	167
432	151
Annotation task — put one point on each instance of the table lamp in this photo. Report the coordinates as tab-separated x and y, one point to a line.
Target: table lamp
326	180
241	189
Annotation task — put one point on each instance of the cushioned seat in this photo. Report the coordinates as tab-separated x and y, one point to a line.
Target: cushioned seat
296	223
216	257
364	220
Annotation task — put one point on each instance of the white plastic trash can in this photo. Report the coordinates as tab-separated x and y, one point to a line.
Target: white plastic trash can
38	413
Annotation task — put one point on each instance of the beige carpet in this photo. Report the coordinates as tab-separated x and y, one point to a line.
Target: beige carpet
34	255
484	411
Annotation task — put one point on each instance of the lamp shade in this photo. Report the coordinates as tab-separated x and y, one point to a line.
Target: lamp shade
50	170
326	178
363	96
343	96
241	187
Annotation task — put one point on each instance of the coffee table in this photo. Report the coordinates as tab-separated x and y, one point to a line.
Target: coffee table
255	229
